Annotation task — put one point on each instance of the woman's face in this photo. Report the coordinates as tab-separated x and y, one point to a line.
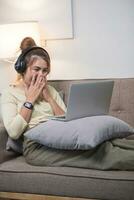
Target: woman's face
38	68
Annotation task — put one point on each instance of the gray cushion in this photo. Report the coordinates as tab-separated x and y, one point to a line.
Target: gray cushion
84	133
3	137
0	109
15	145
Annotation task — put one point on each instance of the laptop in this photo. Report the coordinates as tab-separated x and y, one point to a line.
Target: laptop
88	99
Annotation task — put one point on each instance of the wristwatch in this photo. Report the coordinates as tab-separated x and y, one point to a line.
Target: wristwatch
28	105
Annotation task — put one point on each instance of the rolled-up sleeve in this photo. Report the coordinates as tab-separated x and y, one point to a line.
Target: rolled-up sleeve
13	121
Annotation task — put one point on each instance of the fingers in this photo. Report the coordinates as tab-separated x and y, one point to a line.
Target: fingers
34	78
37	85
38	80
40	83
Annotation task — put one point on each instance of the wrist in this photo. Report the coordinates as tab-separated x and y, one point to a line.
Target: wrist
50	100
30	101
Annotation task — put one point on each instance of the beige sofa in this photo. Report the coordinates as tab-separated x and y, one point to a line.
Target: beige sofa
18	180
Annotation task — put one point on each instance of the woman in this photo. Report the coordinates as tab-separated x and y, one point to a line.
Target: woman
32	101
32	91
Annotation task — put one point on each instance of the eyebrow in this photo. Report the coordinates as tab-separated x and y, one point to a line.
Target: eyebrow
40	67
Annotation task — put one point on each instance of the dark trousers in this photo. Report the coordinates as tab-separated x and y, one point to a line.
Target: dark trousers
114	154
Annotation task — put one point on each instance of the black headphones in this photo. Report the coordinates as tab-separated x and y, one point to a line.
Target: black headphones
20	64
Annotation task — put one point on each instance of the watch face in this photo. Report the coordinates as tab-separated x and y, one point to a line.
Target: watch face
28	105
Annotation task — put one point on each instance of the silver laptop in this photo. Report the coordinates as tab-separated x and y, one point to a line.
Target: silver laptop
88	99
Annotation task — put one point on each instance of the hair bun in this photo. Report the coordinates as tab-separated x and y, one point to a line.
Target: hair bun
26	43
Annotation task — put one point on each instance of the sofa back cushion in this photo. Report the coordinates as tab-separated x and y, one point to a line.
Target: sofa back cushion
122	102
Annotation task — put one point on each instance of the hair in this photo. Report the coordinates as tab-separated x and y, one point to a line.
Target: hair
27	42
34	54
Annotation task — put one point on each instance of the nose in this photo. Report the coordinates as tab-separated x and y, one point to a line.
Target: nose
41	72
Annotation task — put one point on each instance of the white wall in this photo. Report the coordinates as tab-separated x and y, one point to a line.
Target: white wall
103	44
7	74
54	16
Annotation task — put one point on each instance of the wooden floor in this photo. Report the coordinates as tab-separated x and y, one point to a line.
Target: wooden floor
22	196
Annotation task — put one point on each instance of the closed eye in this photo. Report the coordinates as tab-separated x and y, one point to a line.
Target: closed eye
37	69
44	70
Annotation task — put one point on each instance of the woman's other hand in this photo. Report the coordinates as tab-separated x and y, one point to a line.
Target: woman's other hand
57	110
46	94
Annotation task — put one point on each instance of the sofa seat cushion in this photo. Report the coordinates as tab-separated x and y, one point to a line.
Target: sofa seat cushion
18	176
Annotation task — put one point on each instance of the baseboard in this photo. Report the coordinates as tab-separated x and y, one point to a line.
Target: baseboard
24	196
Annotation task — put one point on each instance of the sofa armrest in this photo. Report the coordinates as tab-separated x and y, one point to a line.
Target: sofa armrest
4	154
3	137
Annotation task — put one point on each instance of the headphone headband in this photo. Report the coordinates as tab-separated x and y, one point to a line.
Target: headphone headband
20	64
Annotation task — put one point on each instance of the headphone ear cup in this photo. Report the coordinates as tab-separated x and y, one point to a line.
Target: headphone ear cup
20	66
